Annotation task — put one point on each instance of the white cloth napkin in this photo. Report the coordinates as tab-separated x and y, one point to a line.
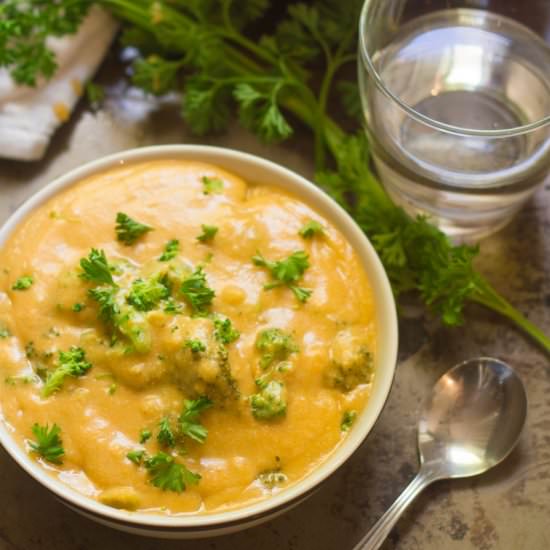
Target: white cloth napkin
30	116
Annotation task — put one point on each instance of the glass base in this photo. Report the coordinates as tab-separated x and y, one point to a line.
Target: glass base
464	216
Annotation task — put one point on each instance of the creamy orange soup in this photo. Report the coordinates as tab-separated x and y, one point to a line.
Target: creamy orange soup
208	350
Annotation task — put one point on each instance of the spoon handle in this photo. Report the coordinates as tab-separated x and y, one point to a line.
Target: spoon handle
381	529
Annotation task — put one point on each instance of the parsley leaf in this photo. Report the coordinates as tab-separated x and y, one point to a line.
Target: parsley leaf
171	250
136	456
23	283
4	332
189	424
24	28
197	292
128	231
78	307
144	435
96	268
70	363
286	272
208	233
224	331
212	185
310	229
166	435
168	475
105	297
48	443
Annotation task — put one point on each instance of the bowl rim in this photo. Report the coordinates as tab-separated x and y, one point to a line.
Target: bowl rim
387	339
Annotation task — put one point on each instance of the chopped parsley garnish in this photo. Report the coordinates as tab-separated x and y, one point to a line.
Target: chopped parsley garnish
208	233
189	419
274	345
224	331
197	292
136	456
166	436
196	346
145	435
78	307
70	363
4	332
168	475
145	294
211	185
128	231
30	350
348	418
171	250
310	229
48	444
286	272
95	268
105	297
23	283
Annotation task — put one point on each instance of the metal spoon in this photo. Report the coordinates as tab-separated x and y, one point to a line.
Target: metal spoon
471	421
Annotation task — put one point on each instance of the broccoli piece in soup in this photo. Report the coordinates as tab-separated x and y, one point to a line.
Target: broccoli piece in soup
350	362
275	346
269	402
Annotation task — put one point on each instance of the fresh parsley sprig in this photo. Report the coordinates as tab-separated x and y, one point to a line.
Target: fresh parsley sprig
128	230
48	443
286	272
70	363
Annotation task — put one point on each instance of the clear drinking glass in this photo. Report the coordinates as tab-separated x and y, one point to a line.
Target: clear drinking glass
456	98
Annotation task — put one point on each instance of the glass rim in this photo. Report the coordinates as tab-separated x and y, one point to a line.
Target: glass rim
447	128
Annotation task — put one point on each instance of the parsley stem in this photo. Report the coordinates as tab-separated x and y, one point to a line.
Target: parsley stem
487	296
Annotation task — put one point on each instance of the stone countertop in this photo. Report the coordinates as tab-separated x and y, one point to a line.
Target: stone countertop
506	509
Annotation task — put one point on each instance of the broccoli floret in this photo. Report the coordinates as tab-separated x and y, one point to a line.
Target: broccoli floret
269	402
350	362
201	366
145	294
274	345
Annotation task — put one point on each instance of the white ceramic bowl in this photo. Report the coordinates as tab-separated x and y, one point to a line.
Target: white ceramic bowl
255	169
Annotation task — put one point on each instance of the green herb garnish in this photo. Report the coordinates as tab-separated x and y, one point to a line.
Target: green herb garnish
166	436
145	435
211	186
23	283
189	419
197	292
310	229
95	268
128	231
136	456
168	475
78	307
70	363
48	444
286	272
208	233
171	250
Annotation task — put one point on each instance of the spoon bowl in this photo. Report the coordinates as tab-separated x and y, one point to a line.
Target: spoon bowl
471	421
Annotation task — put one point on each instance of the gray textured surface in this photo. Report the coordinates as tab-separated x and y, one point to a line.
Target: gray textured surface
507	509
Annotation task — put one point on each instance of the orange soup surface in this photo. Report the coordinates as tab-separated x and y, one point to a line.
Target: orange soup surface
178	340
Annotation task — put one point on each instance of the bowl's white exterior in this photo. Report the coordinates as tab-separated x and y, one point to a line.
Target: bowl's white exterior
258	170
